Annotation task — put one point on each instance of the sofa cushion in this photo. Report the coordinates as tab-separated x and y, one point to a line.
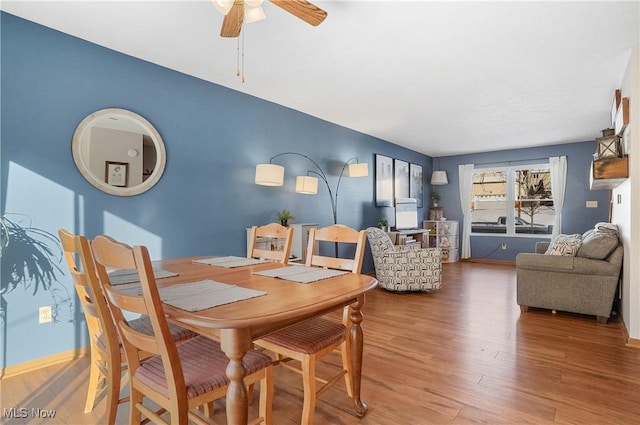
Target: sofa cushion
565	245
597	244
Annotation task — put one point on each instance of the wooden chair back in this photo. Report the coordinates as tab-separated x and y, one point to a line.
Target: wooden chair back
94	307
103	336
337	233
281	238
109	253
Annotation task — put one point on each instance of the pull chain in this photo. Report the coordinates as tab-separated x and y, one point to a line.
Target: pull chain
238	57
242	78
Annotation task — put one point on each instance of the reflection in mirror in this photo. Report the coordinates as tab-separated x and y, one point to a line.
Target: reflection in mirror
118	152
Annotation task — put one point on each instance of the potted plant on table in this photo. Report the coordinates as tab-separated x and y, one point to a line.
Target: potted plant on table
435	197
383	225
284	216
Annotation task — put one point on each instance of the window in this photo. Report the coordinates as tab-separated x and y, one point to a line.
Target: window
513	201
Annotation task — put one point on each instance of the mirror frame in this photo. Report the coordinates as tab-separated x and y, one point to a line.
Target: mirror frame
80	143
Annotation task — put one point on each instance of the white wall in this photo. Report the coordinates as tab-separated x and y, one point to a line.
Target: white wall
114	145
626	201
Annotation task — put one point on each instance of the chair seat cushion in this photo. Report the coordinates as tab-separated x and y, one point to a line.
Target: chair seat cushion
143	325
309	336
204	367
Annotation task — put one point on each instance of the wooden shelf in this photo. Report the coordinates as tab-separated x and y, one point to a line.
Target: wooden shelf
608	173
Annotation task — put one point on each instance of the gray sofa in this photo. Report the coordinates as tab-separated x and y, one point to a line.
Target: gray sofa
584	282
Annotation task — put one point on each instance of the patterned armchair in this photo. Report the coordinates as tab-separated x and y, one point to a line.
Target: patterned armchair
404	268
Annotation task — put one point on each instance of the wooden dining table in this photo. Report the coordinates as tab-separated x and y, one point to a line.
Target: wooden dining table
239	323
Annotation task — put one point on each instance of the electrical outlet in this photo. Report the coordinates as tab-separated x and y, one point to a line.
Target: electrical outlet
592	204
504	245
44	314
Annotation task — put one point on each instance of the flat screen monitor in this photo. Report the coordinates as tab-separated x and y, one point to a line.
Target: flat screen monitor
406	213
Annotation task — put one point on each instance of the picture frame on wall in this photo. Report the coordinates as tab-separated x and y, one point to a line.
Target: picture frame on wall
415	183
401	178
615	104
384	181
116	173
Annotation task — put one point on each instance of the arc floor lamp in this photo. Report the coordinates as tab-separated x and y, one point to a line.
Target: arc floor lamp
273	175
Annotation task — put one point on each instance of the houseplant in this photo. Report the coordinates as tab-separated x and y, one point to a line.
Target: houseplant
284	216
435	197
384	225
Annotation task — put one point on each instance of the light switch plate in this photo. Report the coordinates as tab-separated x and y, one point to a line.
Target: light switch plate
592	204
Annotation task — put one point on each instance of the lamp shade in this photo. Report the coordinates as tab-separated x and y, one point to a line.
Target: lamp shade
439	178
269	175
359	170
307	185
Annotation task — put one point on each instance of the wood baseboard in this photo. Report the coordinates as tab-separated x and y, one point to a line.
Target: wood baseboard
633	343
36	364
489	261
629	342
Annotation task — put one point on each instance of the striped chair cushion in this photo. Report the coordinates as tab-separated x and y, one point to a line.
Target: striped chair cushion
203	364
309	336
143	325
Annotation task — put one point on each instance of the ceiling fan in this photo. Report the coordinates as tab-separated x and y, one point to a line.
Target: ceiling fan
238	11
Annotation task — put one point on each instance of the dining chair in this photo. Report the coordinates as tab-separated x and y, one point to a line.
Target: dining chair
107	357
312	339
279	239
178	378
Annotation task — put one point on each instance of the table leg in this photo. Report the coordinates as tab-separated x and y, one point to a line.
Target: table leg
356	342
235	343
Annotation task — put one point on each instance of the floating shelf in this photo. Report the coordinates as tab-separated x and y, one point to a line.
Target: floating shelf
608	173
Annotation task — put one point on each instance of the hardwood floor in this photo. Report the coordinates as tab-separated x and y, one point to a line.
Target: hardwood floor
464	355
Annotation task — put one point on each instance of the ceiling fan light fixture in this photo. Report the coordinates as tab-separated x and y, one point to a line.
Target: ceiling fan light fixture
253	14
223	6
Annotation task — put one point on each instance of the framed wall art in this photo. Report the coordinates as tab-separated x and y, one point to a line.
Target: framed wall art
415	183
384	181
401	177
115	173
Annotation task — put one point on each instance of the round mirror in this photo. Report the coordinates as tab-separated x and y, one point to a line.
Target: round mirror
118	152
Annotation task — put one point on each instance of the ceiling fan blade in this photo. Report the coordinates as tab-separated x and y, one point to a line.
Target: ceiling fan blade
232	23
302	9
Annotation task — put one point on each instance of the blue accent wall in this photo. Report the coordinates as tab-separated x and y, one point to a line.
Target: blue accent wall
214	137
576	218
206	198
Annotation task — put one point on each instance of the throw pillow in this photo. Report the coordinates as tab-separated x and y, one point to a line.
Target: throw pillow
566	245
597	244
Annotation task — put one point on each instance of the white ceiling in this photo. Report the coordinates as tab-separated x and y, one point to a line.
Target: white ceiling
442	78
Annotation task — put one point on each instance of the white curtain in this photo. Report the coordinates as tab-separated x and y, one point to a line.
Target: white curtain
558	185
465	181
